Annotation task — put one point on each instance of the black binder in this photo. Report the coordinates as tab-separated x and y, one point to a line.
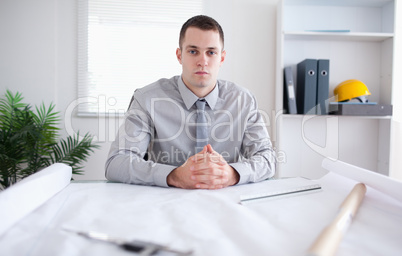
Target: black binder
289	100
306	90
322	86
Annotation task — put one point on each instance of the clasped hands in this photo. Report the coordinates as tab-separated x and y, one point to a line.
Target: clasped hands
205	170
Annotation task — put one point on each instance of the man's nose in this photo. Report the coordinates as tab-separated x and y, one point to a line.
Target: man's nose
203	60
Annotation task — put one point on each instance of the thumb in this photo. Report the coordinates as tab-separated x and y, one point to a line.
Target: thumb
209	148
219	157
204	150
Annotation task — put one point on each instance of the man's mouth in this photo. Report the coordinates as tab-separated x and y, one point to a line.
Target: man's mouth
201	73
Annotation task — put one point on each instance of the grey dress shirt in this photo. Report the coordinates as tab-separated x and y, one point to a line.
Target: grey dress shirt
161	119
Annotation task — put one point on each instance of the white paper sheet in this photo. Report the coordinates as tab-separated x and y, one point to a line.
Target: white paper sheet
375	180
209	222
25	196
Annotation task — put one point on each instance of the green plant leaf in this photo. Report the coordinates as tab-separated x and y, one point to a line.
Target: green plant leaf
73	151
29	141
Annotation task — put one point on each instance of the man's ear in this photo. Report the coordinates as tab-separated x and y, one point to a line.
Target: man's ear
223	56
178	55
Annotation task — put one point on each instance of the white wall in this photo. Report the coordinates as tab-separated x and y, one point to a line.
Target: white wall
396	125
38	57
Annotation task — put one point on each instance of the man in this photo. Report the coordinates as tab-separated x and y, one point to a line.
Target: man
193	131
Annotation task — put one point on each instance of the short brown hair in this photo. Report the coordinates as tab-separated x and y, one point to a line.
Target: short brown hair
202	22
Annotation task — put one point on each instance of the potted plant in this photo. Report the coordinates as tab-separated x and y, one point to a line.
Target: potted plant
29	141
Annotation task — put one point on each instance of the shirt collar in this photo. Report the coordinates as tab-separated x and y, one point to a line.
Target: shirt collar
190	98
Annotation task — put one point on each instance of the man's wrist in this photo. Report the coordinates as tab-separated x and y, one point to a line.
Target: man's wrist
235	177
171	178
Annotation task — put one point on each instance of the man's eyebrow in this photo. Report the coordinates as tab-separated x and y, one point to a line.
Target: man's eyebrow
196	47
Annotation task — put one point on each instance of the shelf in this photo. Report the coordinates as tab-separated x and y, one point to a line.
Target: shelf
344	36
359	38
371	3
292	116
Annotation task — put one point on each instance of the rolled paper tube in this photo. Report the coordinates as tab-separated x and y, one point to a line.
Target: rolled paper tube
328	241
28	194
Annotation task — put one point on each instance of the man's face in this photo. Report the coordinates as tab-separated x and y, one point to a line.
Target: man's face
201	56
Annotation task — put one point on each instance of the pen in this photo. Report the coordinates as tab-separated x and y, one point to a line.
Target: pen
140	247
328	241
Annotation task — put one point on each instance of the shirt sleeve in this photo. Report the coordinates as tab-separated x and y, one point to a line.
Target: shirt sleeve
257	159
126	161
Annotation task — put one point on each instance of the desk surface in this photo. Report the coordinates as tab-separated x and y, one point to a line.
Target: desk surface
207	222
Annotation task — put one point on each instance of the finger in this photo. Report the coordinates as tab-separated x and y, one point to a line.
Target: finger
213	172
185	163
198	158
204	150
208	157
205	186
218	159
209	186
209	148
201	155
211	179
206	167
216	156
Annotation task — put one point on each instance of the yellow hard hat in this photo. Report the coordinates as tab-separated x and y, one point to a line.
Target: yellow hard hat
351	89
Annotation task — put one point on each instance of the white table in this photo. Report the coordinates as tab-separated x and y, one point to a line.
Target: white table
207	222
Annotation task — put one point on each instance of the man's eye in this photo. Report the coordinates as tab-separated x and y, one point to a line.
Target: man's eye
192	52
212	53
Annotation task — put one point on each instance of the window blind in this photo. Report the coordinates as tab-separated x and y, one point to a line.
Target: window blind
124	45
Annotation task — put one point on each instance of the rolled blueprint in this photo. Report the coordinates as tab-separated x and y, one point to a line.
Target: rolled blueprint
380	182
328	241
28	194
